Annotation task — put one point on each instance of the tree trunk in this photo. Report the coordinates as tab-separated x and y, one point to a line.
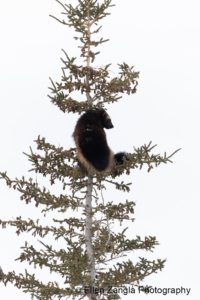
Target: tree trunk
88	235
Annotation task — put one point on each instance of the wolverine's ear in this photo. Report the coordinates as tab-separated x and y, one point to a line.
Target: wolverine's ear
108	124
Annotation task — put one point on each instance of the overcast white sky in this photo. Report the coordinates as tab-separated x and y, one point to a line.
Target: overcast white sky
162	40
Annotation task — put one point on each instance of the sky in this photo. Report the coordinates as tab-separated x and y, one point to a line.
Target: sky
161	39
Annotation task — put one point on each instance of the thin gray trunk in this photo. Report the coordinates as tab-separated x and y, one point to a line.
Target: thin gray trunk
88	229
88	235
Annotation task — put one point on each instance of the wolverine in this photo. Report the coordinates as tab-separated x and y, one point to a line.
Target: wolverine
94	154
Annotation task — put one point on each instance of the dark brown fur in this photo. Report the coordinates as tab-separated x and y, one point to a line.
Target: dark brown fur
93	152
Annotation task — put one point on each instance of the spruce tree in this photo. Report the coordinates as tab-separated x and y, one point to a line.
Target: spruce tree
91	243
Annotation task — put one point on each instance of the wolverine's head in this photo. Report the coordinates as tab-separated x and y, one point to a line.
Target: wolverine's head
106	120
97	117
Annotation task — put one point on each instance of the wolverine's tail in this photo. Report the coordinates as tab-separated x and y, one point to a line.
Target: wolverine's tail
119	157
